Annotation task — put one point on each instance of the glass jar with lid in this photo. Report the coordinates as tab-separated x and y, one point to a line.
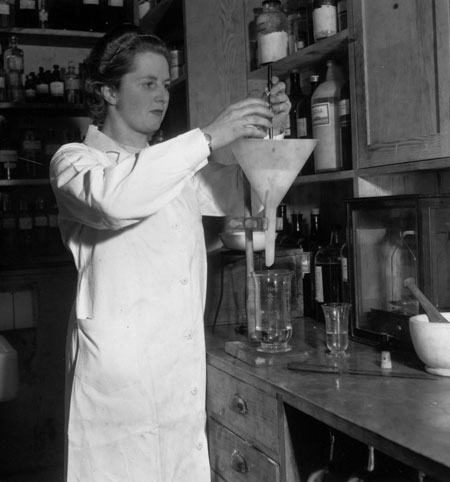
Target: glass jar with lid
271	32
324	19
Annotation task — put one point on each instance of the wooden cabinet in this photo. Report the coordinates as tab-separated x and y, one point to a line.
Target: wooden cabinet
400	52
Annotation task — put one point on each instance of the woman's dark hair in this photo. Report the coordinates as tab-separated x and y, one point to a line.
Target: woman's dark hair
110	59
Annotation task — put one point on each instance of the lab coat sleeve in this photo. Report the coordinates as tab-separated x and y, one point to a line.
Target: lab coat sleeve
93	191
220	190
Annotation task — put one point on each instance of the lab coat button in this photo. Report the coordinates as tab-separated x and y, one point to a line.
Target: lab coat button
194	391
199	446
189	335
184	281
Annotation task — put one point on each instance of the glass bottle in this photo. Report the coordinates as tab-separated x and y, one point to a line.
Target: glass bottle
25	227
298	100
345	284
56	86
8	230
324	19
310	245
90	16
297	30
325	120
72	85
295	236
30	87
252	40
115	13
14	66
32	155
304	123
42	86
282	223
271	32
341	11
2	85
327	274
8	152
345	126
40	227
6	14
27	13
43	14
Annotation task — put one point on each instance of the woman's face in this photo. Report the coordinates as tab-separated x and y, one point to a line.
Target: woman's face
143	95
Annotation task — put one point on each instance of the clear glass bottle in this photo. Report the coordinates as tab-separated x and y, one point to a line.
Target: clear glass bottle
327	273
56	86
14	66
72	85
325	120
324	19
271	32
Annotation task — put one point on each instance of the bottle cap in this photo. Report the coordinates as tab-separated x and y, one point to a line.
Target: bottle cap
315	211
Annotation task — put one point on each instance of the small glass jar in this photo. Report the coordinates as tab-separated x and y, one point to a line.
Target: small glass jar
271	32
324	19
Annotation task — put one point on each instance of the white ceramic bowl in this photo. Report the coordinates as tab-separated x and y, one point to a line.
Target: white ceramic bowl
432	343
236	240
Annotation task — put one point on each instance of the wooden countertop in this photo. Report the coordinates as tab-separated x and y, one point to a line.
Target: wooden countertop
406	418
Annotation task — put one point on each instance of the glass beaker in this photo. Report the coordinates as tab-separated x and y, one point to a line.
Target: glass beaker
336	327
273	309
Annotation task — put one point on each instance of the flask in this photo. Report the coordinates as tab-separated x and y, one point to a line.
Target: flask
14	60
327	273
298	99
90	16
115	13
43	14
310	245
324	19
325	121
8	231
6	14
341	10
304	123
27	14
56	86
345	126
271	32
72	85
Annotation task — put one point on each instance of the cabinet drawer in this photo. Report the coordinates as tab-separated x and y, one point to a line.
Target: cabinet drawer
235	460
247	411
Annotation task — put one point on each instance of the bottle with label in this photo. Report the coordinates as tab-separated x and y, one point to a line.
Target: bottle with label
42	86
310	245
31	155
327	273
27	13
345	125
345	284
7	17
325	121
25	229
30	87
40	228
324	19
304	123
72	85
271	32
298	99
91	16
8	231
43	14
115	13
14	65
8	153
56	86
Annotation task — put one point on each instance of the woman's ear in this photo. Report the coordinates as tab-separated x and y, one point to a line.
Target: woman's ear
109	94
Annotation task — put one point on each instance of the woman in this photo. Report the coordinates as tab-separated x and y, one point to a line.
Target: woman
131	216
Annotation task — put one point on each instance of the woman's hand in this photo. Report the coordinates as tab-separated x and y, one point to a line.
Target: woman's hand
248	118
281	105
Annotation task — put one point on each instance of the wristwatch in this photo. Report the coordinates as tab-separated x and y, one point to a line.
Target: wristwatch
208	139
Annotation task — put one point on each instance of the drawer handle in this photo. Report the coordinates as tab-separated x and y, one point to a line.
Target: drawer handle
238	405
238	463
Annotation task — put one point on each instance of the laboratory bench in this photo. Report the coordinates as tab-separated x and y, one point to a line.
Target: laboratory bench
270	422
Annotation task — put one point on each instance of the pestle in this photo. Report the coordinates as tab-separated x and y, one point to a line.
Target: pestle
433	314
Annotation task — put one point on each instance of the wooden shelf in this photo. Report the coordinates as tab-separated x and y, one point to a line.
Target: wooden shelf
52	37
324	177
24	182
316	53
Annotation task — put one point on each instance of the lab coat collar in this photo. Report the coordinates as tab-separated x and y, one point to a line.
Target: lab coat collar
95	138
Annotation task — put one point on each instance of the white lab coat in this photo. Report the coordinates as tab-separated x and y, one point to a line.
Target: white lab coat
136	348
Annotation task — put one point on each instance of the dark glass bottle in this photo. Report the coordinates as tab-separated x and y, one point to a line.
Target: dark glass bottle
40	228
310	245
345	124
63	14
7	14
282	224
114	13
42	86
298	99
25	225
43	14
8	231
56	86
328	273
72	85
91	18
295	236
27	13
304	123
